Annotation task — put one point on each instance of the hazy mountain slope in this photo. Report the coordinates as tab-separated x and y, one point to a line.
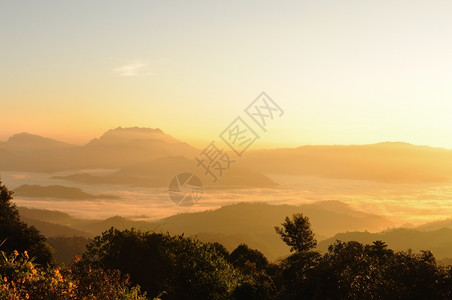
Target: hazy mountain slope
250	223
52	223
253	223
159	173
438	241
34	153
51	216
327	218
127	148
116	148
26	142
435	225
96	227
392	162
49	229
88	227
57	192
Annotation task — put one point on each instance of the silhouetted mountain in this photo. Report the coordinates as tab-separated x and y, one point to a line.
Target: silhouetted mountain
25	141
52	223
435	225
27	152
391	162
253	223
127	148
115	149
327	218
49	229
57	192
250	223
123	147
96	227
438	241
126	135
52	216
55	226
83	227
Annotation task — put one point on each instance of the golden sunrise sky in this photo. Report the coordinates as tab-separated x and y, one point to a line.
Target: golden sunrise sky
345	72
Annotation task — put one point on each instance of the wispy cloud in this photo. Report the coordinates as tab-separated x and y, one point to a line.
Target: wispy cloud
134	68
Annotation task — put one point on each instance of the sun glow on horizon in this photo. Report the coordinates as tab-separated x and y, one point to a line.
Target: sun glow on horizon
345	73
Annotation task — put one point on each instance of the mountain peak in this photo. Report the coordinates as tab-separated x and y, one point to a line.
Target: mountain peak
124	135
24	136
136	129
34	141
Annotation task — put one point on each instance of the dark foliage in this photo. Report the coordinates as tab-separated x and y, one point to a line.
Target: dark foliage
19	236
66	248
185	268
243	257
297	233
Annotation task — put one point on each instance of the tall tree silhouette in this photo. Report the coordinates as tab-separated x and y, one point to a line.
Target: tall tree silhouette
16	235
297	233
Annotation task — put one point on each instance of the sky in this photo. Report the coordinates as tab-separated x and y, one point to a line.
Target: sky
344	72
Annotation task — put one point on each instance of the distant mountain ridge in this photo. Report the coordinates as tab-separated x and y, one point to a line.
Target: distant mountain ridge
58	192
126	148
394	162
116	148
25	139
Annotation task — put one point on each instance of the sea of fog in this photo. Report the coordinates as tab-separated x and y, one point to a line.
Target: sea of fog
402	203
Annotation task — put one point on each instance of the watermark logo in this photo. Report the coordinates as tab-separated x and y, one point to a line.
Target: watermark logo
238	137
185	189
263	110
214	161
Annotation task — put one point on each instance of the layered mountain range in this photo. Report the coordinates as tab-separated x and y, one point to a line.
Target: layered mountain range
252	223
149	157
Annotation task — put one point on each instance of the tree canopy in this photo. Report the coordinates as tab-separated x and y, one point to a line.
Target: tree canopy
185	268
17	235
297	233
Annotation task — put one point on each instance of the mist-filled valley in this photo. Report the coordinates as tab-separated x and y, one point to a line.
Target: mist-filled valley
126	203
121	179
